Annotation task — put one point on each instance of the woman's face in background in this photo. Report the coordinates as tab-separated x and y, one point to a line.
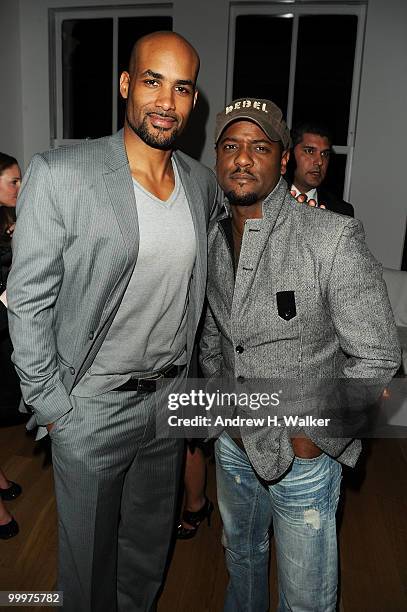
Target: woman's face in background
10	180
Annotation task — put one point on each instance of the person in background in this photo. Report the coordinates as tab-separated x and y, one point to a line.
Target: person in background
10	179
308	165
10	395
8	491
197	507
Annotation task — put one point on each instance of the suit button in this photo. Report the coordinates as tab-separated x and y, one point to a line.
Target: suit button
91	336
72	370
239	349
240	379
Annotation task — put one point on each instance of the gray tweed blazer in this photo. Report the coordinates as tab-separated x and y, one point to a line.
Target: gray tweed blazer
306	302
74	250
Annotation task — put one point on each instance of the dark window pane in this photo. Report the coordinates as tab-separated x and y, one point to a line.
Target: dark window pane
335	177
87	77
262	58
130	30
323	81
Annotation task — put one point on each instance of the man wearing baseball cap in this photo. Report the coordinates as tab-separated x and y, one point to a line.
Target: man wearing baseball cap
293	294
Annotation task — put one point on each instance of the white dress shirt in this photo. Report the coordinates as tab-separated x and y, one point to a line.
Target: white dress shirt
311	194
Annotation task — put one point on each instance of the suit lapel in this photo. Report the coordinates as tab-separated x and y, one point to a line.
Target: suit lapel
119	186
252	257
197	208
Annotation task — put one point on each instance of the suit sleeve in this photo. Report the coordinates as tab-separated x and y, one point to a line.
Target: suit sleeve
210	354
216	202
361	310
348	209
32	291
334	203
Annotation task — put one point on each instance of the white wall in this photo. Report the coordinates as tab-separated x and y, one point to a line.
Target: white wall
379	166
10	89
377	177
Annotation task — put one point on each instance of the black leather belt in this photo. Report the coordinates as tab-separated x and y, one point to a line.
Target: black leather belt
149	384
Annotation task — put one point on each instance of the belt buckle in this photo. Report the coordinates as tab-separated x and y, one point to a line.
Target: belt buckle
146	385
149	385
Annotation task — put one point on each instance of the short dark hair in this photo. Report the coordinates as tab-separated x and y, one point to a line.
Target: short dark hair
310	127
6	161
7	215
297	132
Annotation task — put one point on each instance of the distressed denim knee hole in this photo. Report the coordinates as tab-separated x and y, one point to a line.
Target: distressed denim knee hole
312	517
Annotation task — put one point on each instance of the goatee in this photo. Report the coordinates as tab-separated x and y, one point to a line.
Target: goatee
242	200
161	140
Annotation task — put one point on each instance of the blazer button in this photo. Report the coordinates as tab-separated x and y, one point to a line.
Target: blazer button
239	349
240	379
72	370
91	336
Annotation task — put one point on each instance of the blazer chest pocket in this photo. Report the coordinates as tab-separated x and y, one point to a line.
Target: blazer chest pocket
286	307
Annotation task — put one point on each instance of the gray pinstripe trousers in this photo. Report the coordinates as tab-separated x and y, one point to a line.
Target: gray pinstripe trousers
116	488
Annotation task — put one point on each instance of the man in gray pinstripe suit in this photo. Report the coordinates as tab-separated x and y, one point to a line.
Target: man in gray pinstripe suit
105	296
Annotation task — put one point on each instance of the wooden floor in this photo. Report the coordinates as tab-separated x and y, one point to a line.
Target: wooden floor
373	534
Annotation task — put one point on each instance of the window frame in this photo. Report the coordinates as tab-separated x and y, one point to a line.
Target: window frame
56	17
289	8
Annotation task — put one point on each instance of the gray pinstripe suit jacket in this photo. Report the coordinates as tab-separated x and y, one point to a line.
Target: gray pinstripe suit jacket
343	326
74	250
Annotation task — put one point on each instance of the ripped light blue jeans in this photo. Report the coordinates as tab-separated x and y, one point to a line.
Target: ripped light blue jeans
301	507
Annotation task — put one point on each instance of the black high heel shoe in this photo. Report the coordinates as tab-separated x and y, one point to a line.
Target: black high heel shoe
13	491
194	519
9	530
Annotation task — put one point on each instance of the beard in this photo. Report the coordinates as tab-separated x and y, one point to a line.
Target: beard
162	140
246	199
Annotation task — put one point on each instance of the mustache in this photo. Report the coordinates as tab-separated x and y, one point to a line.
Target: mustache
163	114
242	173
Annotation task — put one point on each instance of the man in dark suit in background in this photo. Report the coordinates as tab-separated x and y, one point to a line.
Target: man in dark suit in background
308	166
